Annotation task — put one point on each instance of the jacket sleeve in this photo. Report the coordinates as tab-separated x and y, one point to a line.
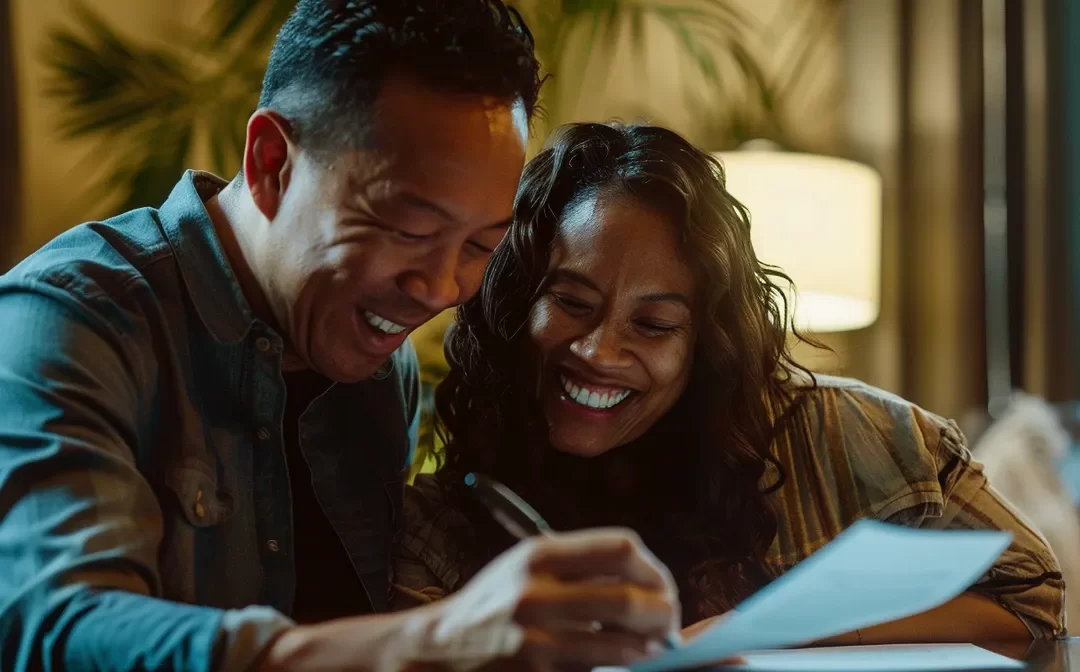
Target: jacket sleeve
1026	580
79	525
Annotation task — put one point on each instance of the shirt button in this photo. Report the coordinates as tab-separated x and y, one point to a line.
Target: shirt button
263	433
273	545
262	344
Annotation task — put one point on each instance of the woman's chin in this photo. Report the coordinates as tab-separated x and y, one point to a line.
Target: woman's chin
579	446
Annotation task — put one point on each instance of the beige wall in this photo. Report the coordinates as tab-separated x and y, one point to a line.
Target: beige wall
869	117
56	172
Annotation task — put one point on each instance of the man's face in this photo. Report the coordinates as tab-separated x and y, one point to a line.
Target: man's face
365	248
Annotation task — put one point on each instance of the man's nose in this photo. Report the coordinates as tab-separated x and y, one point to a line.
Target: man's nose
436	285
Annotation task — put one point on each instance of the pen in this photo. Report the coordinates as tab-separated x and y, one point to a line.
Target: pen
518	518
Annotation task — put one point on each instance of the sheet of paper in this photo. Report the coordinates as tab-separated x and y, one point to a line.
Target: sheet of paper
891	658
871	573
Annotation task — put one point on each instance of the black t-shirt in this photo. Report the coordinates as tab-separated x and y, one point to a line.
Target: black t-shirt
327	586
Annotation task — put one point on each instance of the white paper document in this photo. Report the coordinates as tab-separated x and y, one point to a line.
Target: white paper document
871	573
889	658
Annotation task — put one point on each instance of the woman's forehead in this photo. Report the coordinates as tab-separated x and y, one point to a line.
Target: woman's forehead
617	236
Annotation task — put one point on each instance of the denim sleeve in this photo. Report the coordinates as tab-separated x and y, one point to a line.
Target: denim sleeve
79	525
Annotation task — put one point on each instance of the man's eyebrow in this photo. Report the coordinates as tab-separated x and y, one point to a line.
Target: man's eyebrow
414	200
417	201
360	194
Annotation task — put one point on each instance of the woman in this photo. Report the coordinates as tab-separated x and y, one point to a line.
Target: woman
626	363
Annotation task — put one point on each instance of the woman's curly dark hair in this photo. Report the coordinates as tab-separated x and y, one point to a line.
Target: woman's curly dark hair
706	465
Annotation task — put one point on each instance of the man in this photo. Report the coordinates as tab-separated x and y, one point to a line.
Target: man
209	406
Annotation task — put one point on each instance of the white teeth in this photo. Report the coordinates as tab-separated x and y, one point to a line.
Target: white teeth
382	324
587	397
582	397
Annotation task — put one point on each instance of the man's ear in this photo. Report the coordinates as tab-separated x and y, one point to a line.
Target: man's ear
268	156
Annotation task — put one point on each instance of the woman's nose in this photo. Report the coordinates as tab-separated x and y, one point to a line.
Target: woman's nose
602	348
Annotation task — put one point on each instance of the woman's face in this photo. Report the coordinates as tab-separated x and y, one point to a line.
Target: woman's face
615	330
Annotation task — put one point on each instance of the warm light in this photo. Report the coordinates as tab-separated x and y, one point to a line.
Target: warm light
819	219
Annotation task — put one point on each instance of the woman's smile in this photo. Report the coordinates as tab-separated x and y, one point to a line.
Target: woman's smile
595	397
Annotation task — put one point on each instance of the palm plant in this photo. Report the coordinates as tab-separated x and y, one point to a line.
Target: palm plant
794	72
153	108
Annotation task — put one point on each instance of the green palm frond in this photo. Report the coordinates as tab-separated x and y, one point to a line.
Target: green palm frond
758	111
150	102
106	85
704	29
258	21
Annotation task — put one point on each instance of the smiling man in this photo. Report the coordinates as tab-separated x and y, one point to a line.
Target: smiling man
206	409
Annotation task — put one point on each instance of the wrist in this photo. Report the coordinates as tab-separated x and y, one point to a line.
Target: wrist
387	643
454	637
414	646
285	650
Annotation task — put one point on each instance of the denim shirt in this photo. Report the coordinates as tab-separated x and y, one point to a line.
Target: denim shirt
145	510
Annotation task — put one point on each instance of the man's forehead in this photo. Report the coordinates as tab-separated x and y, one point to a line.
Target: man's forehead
409	116
515	123
383	175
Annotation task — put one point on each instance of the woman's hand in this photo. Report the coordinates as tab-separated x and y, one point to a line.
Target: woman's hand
691	631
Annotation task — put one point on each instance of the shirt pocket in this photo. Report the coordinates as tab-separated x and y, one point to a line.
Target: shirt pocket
201	501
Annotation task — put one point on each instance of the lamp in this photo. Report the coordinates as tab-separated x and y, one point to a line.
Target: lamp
819	219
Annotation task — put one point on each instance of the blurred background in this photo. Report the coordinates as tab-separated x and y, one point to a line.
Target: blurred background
958	241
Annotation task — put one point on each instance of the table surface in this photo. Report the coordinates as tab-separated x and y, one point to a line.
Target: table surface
1053	656
1062	655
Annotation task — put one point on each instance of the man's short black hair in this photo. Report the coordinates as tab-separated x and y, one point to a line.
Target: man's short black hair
331	56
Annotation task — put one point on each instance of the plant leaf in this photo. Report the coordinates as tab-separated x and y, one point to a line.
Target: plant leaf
258	21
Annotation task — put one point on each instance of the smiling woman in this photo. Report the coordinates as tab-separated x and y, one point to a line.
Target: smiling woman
626	363
598	393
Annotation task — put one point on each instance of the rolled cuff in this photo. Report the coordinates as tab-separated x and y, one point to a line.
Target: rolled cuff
244	636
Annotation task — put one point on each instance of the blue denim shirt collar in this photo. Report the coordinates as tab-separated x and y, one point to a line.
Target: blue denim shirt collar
204	266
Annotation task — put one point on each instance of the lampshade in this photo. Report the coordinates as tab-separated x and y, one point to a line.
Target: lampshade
819	219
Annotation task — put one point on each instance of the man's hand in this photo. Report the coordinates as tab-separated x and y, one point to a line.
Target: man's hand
591	598
576	600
